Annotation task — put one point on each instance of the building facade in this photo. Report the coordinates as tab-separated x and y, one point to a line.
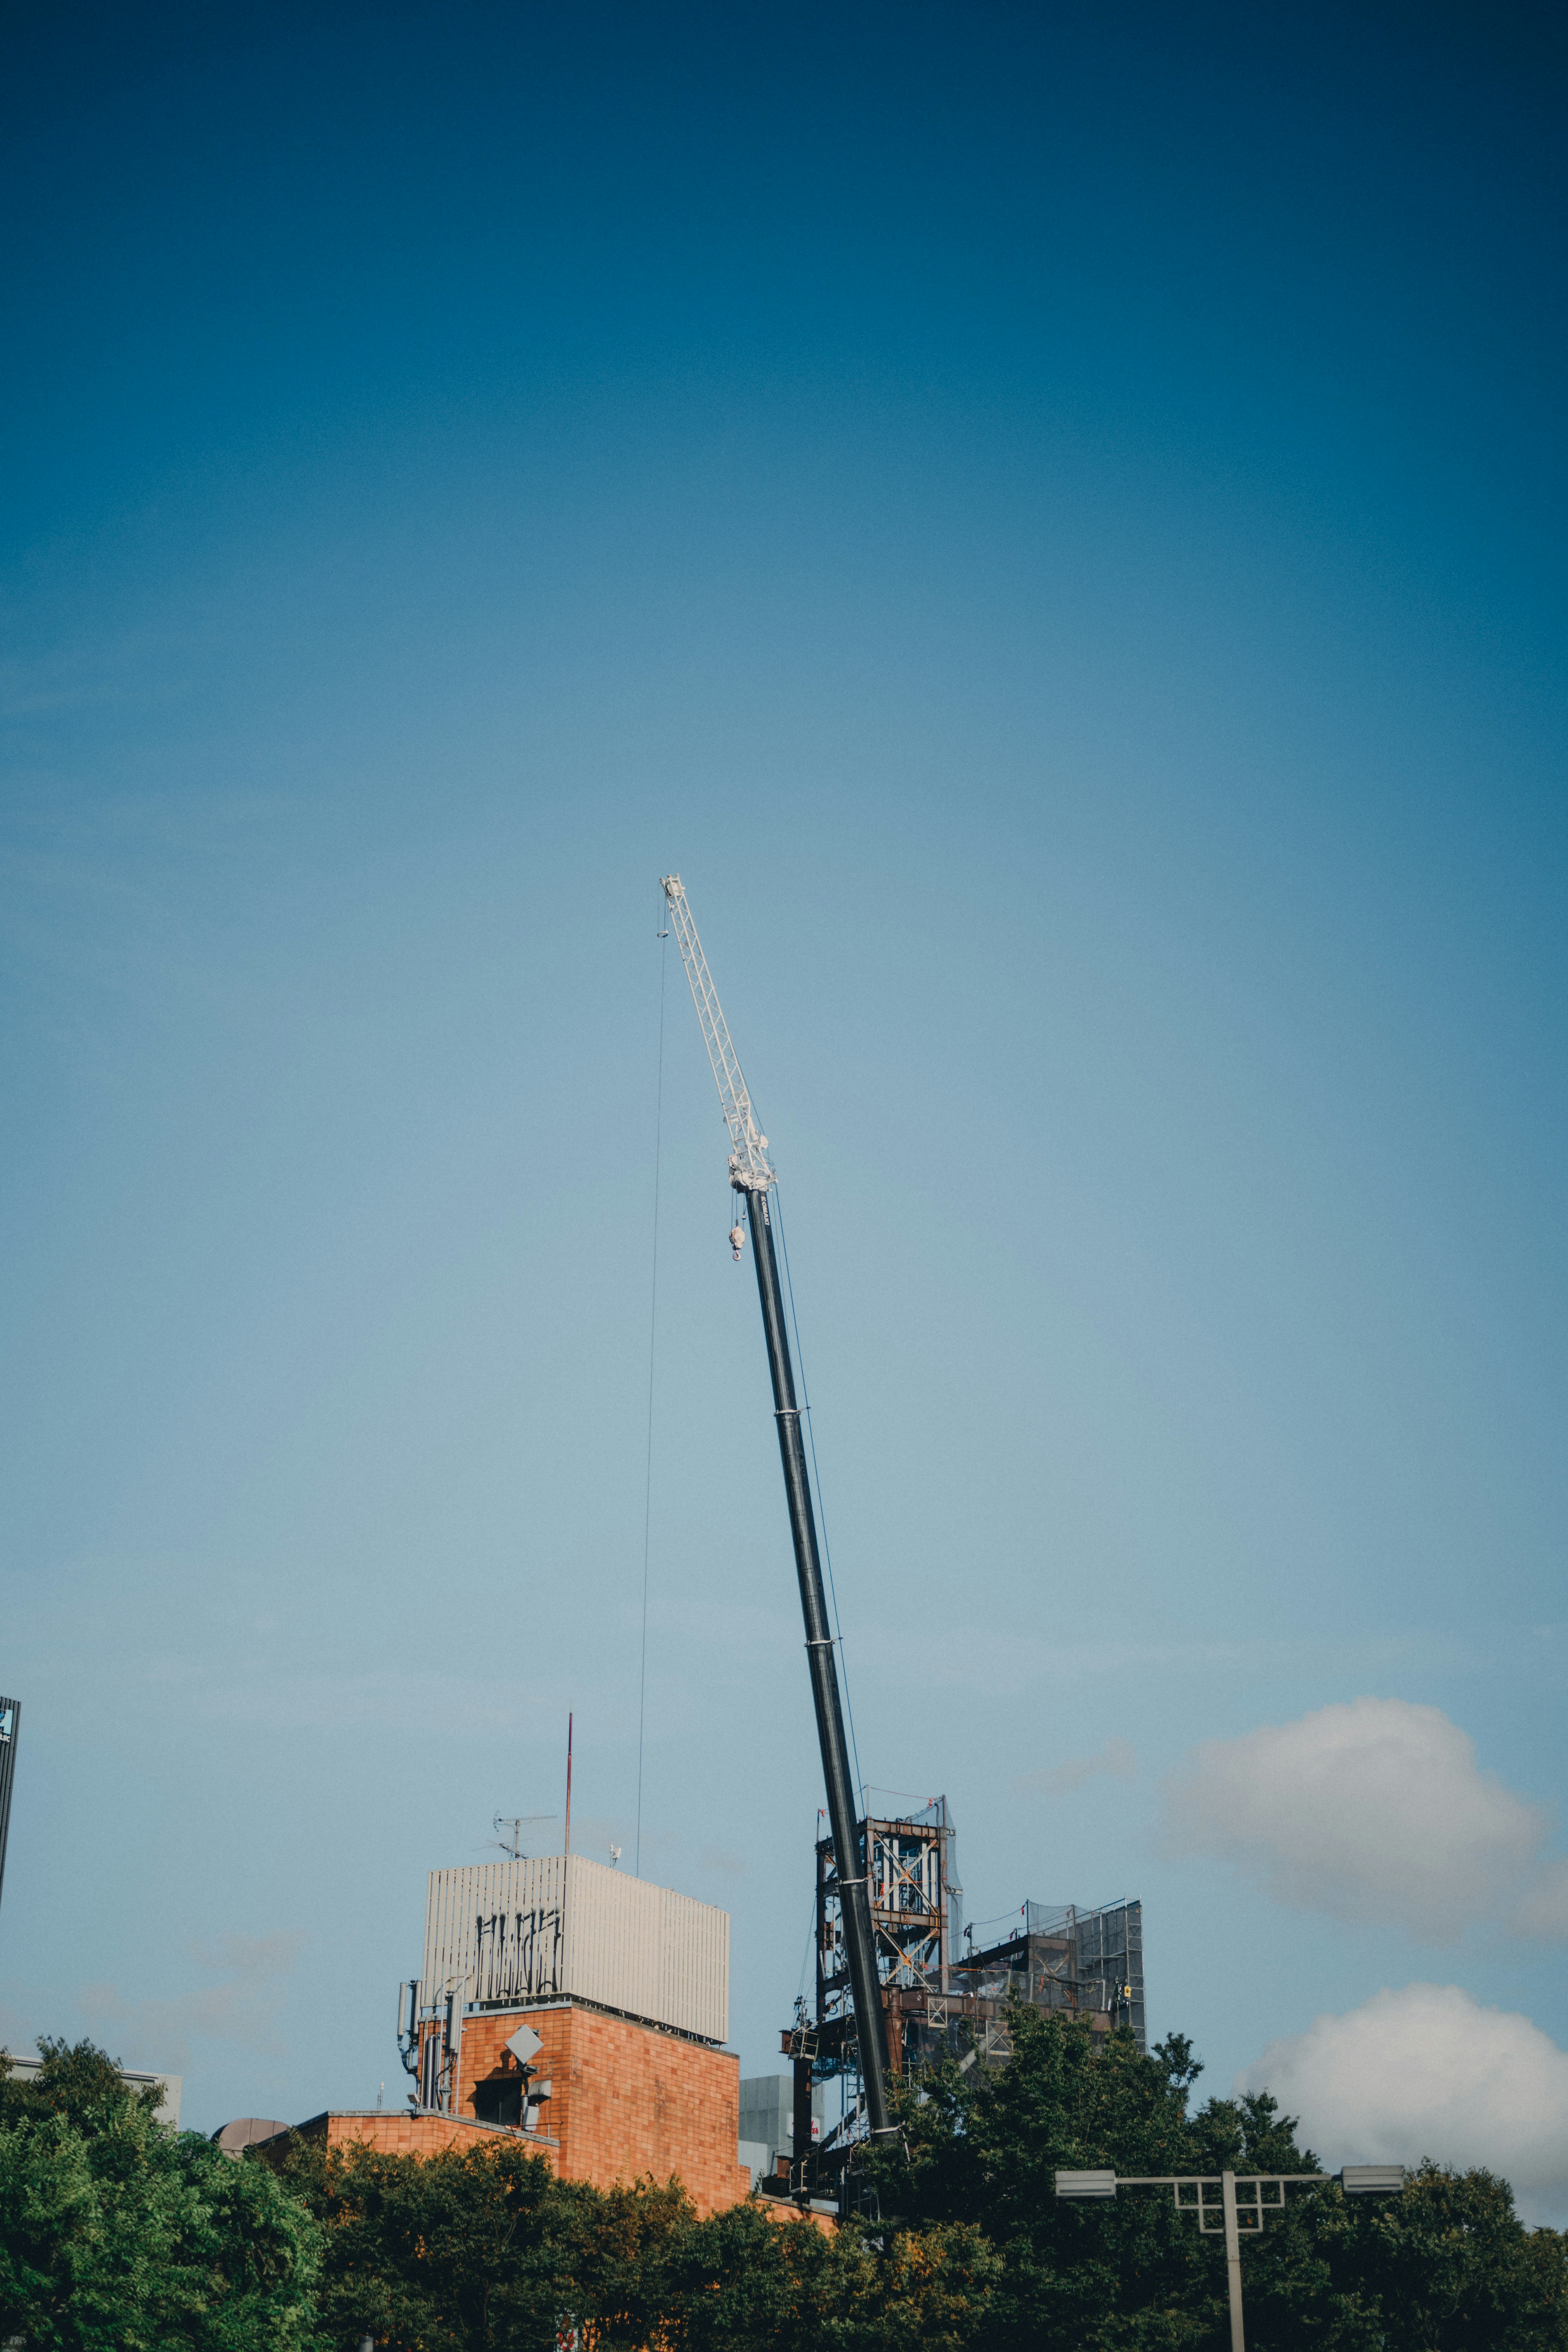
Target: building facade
577	2012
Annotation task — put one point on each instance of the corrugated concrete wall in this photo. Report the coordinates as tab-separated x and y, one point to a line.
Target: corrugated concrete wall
527	1931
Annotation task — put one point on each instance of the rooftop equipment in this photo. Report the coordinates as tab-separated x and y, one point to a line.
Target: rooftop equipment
752	1177
533	1933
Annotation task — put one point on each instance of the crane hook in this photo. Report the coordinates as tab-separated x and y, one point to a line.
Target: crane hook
737	1240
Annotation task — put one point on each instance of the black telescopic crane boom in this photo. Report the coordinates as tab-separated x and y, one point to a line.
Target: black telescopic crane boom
752	1178
849	1861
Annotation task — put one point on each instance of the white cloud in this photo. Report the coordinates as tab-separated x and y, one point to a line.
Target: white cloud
1059	1779
1429	2072
1371	1811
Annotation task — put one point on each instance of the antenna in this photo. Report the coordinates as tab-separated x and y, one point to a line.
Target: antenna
516	1823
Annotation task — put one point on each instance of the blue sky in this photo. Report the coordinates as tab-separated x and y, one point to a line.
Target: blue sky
1054	529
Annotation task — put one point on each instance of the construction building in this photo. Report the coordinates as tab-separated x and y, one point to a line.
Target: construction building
940	1996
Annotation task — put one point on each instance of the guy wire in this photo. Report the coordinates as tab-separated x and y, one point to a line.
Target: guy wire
652	1330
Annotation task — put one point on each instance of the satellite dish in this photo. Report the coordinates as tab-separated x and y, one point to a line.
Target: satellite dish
524	2045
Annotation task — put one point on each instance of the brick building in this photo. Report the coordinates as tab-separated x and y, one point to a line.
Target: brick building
626	2097
626	1986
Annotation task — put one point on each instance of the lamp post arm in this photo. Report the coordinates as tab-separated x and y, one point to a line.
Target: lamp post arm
1213	2179
1354	2180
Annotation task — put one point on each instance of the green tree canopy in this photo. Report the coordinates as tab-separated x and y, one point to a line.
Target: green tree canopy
117	2233
1446	2267
481	2247
484	2250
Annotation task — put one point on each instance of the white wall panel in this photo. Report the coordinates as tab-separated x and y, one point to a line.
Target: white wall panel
527	1929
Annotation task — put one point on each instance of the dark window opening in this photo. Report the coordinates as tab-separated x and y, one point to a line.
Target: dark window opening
498	2101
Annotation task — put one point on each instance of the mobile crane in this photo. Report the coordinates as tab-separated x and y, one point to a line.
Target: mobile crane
752	1177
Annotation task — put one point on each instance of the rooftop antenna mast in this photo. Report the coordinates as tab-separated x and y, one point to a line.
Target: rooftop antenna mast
516	1823
752	1178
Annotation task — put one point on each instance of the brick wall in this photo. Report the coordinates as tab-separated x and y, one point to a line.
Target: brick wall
408	2134
626	2099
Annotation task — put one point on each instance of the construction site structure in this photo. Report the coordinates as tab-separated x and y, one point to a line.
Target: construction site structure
942	1998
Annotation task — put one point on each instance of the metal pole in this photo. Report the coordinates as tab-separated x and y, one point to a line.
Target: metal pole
800	2131
10	1723
1232	2259
453	2037
854	1902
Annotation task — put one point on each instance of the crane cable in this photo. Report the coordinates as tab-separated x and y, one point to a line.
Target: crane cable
652	1330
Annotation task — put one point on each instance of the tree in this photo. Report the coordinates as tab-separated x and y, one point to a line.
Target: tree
484	2250
475	2250
117	2233
758	2280
985	2150
78	2081
1446	2267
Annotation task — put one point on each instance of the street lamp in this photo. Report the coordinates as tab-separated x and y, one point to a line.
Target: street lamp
1234	2204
